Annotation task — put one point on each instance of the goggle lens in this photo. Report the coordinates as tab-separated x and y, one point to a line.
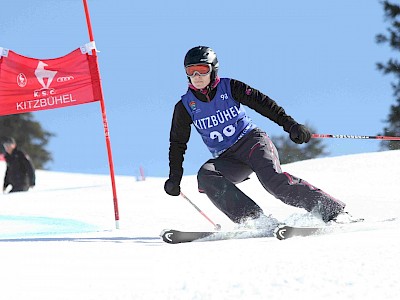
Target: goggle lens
202	70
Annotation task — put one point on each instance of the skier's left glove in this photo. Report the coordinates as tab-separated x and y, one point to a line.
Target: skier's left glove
299	134
172	188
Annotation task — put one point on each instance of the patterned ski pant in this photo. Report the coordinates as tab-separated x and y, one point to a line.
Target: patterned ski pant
255	152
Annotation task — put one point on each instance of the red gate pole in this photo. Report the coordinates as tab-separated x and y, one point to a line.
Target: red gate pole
105	123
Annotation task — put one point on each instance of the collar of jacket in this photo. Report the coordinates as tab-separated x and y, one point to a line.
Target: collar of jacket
208	88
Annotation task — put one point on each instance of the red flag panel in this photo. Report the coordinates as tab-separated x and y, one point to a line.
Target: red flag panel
30	84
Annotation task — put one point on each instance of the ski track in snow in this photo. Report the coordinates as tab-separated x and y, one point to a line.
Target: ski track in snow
59	241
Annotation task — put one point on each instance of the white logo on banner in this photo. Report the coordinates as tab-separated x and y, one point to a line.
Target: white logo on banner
21	80
41	74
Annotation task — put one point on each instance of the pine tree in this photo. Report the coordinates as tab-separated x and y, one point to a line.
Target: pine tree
29	135
392	66
290	152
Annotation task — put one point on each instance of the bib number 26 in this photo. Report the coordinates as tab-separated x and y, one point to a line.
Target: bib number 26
227	131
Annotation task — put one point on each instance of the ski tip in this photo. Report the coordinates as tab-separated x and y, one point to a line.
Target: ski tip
280	231
164	231
166	235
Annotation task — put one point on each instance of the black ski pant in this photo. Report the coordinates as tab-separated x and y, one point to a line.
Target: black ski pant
19	187
255	152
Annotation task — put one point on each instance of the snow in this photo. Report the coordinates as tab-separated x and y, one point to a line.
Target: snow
58	241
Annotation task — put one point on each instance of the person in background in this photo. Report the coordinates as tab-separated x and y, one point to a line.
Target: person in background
20	173
215	106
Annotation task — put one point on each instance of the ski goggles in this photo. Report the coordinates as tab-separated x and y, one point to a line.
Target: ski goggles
200	69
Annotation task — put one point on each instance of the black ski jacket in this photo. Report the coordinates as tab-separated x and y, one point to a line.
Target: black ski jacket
241	92
20	172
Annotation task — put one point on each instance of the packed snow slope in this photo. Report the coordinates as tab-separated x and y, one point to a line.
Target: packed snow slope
58	241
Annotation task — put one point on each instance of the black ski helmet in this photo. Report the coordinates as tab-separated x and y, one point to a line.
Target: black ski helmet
8	140
202	55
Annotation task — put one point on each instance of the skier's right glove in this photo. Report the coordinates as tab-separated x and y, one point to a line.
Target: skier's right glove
172	188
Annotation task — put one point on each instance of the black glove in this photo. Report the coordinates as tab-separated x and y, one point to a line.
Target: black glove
172	188
299	134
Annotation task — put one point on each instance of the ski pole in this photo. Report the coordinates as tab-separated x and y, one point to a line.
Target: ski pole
361	137
216	226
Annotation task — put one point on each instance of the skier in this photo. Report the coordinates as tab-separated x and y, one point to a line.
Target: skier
20	173
215	106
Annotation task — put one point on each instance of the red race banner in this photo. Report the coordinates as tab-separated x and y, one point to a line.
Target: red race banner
30	84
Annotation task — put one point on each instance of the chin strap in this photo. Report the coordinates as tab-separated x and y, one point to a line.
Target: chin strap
210	87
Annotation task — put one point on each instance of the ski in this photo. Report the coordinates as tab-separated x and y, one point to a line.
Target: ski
173	236
283	232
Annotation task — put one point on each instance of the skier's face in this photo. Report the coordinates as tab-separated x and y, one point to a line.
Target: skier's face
200	82
9	147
